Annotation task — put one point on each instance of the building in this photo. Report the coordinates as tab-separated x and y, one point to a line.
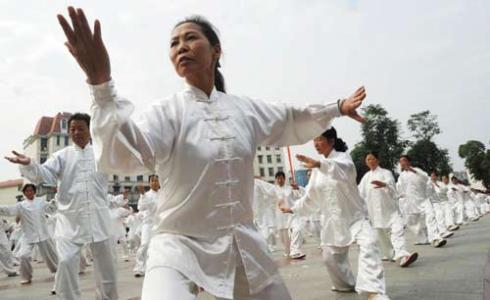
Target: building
52	134
268	161
10	191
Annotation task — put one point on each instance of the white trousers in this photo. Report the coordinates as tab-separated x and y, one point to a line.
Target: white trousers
46	249
458	208
67	278
142	253
440	218
392	240
296	235
7	260
424	224
470	209
370	274
164	283
285	240
448	213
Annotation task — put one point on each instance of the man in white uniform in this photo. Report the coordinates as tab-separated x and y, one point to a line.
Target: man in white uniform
32	212
146	205
377	188
83	212
289	226
412	186
6	257
264	207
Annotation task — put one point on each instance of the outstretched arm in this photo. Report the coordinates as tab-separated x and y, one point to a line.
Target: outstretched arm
86	47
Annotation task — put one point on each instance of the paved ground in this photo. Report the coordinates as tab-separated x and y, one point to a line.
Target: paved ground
454	272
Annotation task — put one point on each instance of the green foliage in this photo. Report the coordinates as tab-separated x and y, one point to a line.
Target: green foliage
380	134
426	155
423	125
424	152
477	160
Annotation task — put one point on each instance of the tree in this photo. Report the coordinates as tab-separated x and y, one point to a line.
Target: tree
477	160
381	134
424	153
423	125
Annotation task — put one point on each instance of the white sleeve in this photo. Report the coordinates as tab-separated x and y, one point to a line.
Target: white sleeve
122	145
283	124
47	173
9	210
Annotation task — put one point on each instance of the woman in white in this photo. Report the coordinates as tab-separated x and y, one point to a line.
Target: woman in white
442	190
332	189
412	187
32	212
289	227
147	206
203	142
377	188
456	199
264	208
6	257
438	196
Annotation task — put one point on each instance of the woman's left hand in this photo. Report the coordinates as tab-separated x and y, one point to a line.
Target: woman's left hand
349	106
308	162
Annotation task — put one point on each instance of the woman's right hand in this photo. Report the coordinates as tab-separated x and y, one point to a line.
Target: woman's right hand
88	49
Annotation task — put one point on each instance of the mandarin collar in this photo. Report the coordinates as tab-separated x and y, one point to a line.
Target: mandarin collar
78	148
199	95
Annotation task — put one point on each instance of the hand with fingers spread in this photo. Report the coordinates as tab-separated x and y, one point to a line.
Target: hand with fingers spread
308	162
378	184
349	106
88	49
19	158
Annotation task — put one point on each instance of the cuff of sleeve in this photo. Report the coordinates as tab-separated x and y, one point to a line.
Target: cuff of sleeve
324	165
103	93
26	168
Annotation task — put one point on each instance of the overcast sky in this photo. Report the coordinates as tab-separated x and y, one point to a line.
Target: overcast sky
410	55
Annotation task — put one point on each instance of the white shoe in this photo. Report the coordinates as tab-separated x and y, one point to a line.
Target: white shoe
408	260
453	227
439	243
378	297
298	255
447	234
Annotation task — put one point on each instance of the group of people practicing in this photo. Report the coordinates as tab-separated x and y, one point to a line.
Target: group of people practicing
200	229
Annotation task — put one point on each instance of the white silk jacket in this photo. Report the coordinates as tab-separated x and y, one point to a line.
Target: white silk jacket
83	211
381	202
333	190
204	147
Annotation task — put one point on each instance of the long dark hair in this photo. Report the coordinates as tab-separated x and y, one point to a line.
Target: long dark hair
210	32
339	144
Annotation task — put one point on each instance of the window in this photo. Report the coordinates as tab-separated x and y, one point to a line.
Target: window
67	140
267	148
269	159
127	178
280	169
139	178
278	148
261	159
64	124
58	140
43	159
115	177
262	173
271	171
44	144
259	148
116	188
278	158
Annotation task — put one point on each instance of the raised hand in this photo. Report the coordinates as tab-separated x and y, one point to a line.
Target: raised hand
308	162
378	184
88	49
19	158
349	106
